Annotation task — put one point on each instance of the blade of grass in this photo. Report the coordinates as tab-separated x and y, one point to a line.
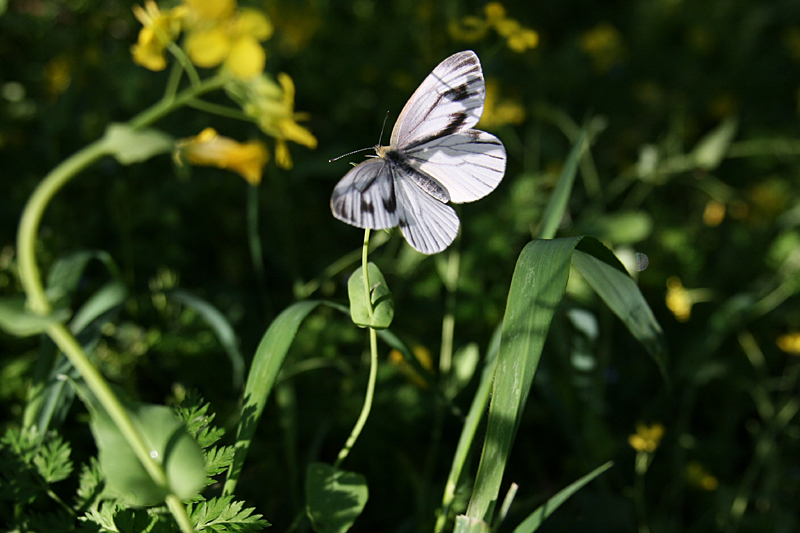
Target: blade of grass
537	287
266	365
532	523
558	201
606	275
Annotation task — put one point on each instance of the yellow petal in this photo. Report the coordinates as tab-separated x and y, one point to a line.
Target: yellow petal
208	48
282	156
247	58
210	149
255	24
495	12
211	10
149	51
292	131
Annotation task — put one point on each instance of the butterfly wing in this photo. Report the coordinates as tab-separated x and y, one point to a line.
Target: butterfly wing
365	197
469	164
428	224
450	99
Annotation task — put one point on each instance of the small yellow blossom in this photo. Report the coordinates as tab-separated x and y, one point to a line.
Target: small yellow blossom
159	30
789	343
714	213
423	356
227	37
500	111
467	29
698	476
603	44
470	29
646	438
209	149
58	73
678	300
271	104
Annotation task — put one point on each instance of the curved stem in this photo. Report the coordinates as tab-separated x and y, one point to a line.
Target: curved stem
362	418
373	364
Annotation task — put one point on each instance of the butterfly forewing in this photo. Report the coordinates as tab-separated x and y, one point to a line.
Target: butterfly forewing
449	100
366	197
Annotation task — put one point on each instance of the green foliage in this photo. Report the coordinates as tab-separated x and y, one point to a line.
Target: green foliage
375	311
334	498
222	515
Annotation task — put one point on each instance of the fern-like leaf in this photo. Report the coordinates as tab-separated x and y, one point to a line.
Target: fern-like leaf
223	515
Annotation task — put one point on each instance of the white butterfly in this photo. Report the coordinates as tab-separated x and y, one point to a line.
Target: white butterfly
434	158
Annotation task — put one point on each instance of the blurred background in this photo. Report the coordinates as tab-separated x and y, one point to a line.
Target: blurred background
693	178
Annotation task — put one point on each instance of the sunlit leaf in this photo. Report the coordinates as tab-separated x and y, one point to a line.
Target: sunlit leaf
334	498
132	145
380	298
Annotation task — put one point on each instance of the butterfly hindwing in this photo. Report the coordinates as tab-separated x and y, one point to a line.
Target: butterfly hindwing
428	225
469	164
365	197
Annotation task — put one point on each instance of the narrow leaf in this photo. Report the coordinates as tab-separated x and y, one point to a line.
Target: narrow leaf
222	328
16	320
537	287
532	523
711	149
608	277
467	524
266	365
558	201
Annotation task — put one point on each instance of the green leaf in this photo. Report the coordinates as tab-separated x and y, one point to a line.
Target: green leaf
267	363
223	515
380	297
16	320
131	145
108	298
169	442
222	328
532	523
557	204
53	459
66	273
334	498
608	277
467	524
537	289
711	149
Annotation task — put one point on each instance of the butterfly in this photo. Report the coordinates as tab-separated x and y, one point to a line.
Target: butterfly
434	157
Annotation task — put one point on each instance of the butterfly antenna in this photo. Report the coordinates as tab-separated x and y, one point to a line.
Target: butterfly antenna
383	126
348	153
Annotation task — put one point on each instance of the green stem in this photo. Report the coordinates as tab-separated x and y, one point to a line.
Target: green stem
99	387
31	281
178	511
362	418
373	364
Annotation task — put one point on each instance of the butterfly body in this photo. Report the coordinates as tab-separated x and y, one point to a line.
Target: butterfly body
434	157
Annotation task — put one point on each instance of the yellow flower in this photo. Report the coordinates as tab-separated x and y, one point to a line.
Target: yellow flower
468	29
159	30
423	356
789	343
603	44
678	300
498	112
646	438
698	476
522	40
221	35
209	149
714	213
494	12
272	106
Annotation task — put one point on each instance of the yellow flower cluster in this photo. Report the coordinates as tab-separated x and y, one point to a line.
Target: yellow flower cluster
698	476
217	34
789	343
646	438
472	28
423	355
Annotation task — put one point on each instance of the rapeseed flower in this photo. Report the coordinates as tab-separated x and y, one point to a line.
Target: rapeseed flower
646	438
210	149
159	30
470	29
